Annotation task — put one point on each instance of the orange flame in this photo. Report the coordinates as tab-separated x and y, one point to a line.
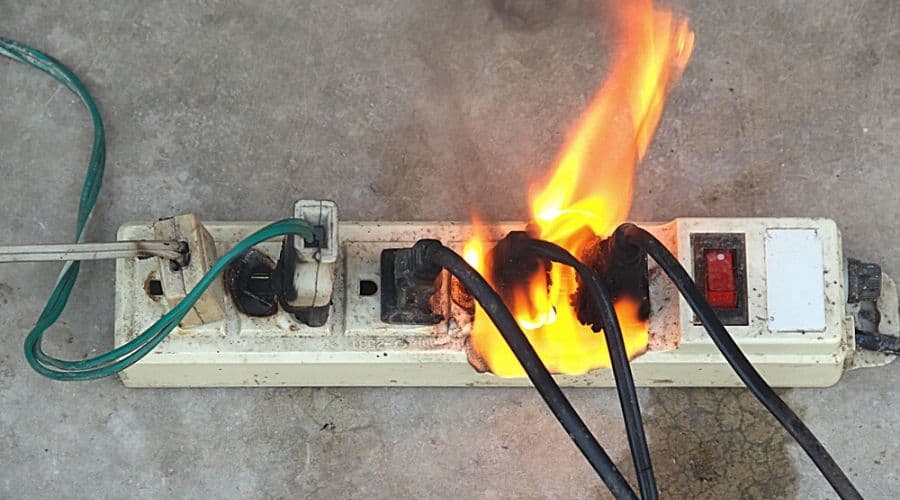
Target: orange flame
589	193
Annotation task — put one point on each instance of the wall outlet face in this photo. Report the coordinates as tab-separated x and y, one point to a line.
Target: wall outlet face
776	266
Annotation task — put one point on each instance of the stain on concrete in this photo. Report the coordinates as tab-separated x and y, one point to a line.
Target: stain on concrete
527	15
717	443
749	184
865	61
6	292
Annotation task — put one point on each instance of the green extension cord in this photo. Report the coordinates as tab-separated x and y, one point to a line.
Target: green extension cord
126	355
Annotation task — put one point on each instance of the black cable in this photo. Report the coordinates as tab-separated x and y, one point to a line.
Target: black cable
631	410
871	341
628	238
432	251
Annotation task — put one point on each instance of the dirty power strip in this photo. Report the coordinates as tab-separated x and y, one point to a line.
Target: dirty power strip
781	286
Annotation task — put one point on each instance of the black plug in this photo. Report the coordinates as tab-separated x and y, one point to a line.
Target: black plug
514	263
622	267
408	284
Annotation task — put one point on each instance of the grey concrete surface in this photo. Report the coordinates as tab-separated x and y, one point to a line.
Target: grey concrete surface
421	110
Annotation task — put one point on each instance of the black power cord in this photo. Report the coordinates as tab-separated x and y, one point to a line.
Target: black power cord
430	256
629	240
879	342
631	410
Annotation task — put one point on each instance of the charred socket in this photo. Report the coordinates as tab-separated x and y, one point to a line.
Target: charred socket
249	280
408	285
258	285
622	268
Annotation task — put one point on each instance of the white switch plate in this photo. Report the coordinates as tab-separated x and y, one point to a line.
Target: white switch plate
355	348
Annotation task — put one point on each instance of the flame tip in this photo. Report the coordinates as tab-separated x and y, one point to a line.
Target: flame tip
589	192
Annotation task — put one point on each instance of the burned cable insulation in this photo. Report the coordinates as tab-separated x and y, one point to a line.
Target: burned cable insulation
629	240
431	253
612	331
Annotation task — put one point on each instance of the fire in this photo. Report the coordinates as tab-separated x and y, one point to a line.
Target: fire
589	193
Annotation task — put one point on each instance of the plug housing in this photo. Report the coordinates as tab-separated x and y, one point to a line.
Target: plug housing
307	266
408	285
177	281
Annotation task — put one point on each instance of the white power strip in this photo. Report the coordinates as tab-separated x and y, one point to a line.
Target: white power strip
797	329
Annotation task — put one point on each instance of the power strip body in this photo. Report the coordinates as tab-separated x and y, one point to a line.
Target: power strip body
355	348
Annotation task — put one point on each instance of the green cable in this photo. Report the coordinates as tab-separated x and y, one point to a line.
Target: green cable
92	182
124	356
129	353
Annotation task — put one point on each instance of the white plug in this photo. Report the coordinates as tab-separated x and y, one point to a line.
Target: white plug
314	262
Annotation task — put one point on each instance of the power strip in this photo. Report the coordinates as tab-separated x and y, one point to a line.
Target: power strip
792	320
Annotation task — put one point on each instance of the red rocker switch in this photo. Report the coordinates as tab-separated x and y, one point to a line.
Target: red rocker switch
721	289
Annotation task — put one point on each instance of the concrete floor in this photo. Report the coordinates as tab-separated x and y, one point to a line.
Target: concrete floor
401	110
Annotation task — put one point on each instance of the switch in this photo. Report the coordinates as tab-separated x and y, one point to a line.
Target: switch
720	271
721	289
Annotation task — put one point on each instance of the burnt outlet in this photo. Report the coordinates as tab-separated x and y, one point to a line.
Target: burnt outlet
514	267
461	296
625	278
406	296
250	280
